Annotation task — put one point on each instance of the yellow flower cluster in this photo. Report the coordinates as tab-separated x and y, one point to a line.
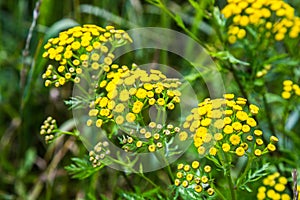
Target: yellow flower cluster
48	128
272	17
264	71
289	89
129	92
98	154
78	48
149	139
275	187
229	125
195	177
103	107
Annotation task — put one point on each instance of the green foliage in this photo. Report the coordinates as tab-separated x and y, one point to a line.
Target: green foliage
81	168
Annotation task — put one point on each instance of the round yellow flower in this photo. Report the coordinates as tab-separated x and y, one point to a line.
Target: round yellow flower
258	132
257	152
204	179
205	122
282	180
287	82
124	95
152	147
130	117
99	122
226	147
286	197
207	168
210	191
219	123
237	126
89	122
271	147
160	101
195	164
259	141
228	96
183	136
201	150
186	168
218	136
119	119
279	187
228	129
148	134
185	183
189	177
141	93
241	115
246	128
139	144
213	151
251	122
286	95
119	108
198	188
240	151
235	139
261	195
179	174
180	166
177	182
151	101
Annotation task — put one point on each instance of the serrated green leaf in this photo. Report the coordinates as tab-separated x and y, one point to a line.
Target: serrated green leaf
82	168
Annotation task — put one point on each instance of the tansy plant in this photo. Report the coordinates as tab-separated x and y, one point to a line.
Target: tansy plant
116	98
259	37
225	130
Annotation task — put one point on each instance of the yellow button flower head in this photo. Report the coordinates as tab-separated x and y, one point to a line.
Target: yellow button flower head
73	48
274	187
276	16
188	178
226	125
290	89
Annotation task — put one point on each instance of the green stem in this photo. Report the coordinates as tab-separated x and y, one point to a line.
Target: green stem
248	165
228	177
220	194
152	183
168	168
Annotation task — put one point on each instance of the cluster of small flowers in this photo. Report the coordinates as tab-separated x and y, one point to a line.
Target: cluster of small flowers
228	125
274	188
148	139
131	91
274	17
264	71
290	88
195	177
97	155
47	129
101	109
77	47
